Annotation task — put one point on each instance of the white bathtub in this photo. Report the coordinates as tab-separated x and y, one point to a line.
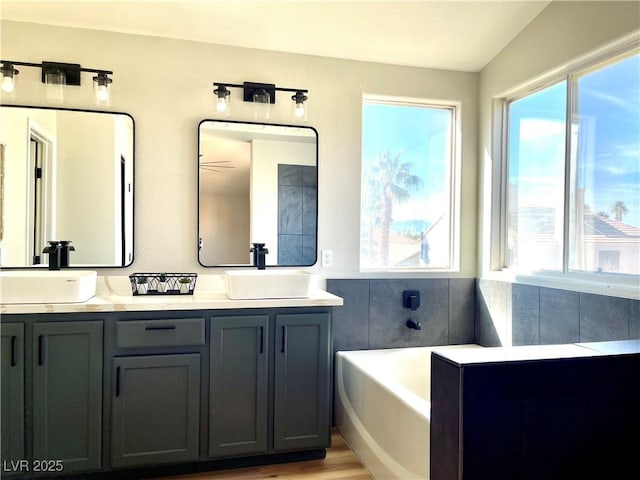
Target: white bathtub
383	410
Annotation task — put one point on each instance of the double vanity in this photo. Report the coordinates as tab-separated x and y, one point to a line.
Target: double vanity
164	383
98	379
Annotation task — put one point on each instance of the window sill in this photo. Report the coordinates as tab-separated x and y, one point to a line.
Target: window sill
615	286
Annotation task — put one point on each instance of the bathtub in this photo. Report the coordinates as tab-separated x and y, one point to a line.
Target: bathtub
383	410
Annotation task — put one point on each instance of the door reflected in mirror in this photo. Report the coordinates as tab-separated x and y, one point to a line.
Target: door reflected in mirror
258	183
68	175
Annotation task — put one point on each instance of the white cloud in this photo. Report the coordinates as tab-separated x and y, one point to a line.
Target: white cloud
538	128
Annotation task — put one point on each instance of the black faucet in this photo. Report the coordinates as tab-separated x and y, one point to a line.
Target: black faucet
65	248
414	325
53	249
259	254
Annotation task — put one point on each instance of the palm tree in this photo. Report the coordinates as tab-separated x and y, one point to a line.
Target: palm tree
602	214
619	210
393	180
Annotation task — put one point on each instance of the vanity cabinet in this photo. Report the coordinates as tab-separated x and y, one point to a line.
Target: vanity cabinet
12	392
67	393
297	353
302	381
155	390
155	409
239	382
162	390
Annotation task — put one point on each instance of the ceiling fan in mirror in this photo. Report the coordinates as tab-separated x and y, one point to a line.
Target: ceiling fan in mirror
215	166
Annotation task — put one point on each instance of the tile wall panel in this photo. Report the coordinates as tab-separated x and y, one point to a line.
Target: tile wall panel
559	316
538	315
373	315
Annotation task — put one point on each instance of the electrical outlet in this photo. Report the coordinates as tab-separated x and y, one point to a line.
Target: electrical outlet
327	258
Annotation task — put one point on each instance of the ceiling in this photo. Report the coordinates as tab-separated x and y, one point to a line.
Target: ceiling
452	35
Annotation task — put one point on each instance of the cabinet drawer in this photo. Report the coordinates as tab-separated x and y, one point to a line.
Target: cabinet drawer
161	333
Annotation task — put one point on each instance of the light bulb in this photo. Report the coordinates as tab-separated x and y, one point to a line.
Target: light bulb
102	93
101	88
8	84
298	108
221	104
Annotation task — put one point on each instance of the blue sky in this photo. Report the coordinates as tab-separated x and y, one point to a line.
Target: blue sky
608	139
421	135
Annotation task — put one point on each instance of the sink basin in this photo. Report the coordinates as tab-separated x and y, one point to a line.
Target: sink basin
31	286
263	284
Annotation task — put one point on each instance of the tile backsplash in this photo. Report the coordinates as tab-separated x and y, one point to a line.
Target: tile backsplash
373	315
530	315
487	312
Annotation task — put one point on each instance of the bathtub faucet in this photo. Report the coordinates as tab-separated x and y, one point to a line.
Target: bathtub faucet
414	325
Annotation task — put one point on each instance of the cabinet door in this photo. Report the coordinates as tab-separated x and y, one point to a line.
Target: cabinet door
239	385
302	381
67	393
156	402
12	391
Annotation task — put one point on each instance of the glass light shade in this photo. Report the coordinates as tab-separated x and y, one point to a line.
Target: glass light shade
7	73
223	101
101	91
54	81
223	106
298	111
261	105
8	84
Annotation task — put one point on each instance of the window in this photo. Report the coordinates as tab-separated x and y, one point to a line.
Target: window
573	174
408	152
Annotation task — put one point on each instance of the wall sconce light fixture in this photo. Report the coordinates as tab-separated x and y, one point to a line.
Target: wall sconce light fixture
8	77
262	95
299	109
222	104
55	75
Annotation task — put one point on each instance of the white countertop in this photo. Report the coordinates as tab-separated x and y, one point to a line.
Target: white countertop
113	294
537	352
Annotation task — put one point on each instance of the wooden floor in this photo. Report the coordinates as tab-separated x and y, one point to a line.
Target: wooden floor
340	464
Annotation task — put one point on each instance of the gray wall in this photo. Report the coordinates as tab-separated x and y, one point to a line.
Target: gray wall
517	314
373	315
487	312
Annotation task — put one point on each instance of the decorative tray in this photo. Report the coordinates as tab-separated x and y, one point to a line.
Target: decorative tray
163	283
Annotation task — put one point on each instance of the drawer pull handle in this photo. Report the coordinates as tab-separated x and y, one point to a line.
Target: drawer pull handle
40	349
161	327
13	350
261	339
117	381
284	339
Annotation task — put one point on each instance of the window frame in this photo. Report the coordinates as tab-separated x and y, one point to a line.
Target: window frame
454	181
609	283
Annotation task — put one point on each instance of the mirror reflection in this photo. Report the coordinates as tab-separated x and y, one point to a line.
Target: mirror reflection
257	184
66	175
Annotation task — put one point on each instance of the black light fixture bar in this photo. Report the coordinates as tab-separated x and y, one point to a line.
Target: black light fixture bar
249	88
71	70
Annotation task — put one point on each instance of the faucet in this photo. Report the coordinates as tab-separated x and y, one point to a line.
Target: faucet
65	248
414	325
259	253
53	249
58	253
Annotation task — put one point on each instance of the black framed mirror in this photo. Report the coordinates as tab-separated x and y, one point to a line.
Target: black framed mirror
67	175
257	183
